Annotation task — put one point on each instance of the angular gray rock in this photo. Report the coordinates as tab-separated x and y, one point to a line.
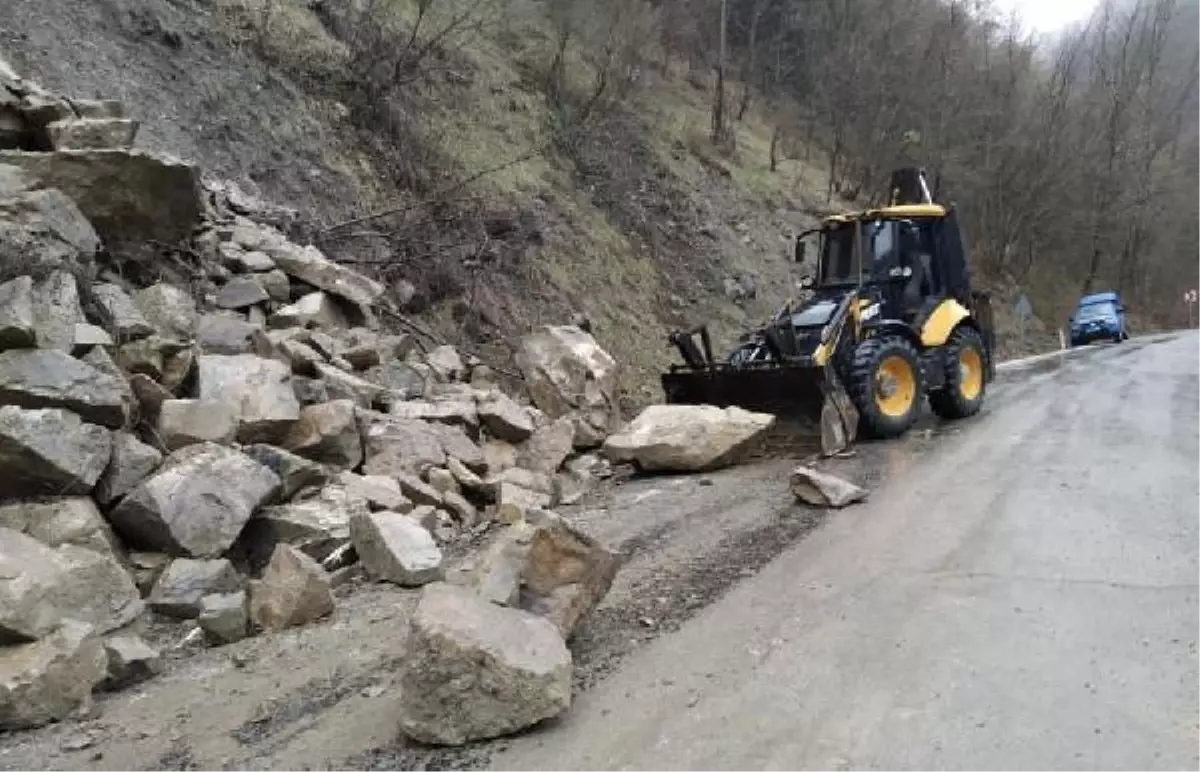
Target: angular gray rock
343	385
119	314
259	390
53	521
568	374
183	422
565	574
396	445
687	438
395	548
317	526
131	197
40	586
548	447
379	492
474	670
184	583
417	489
327	433
294	590
131	462
47	680
456	412
217	334
87	337
821	489
294	472
310	266
56	311
45	231
92	133
44	378
446	363
241	292
197	503
316	309
504	418
128	660
17	327
50	452
514	502
171	310
224	617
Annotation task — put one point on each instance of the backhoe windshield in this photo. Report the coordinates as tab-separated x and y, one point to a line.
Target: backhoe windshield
838	265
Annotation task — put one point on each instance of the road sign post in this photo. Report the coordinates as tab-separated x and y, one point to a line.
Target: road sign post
1190	298
1022	310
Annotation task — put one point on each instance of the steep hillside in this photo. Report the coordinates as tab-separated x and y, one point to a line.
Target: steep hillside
502	216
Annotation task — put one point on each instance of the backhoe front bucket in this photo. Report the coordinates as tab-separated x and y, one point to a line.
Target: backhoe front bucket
811	396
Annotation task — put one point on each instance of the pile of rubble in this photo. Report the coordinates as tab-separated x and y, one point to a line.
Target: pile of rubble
228	453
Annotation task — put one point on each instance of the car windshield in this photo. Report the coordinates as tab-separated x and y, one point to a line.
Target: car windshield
1095	311
837	262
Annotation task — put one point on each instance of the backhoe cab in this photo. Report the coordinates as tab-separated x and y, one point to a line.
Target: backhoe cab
891	317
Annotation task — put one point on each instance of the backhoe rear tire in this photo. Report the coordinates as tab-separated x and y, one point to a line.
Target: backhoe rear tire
962	396
885	386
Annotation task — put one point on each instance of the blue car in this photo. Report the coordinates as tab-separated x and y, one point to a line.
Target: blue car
1099	316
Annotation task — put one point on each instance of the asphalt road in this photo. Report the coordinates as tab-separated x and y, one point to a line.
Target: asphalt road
1021	593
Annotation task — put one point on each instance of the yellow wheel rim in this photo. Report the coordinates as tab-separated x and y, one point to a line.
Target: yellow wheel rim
895	387
970	373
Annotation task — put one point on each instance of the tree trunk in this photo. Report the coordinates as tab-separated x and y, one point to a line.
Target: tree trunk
719	129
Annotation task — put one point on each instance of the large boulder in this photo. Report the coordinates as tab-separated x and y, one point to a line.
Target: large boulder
47	680
568	374
687	438
294	590
259	390
327	433
396	445
43	230
54	522
475	670
41	586
197	503
50	452
39	378
131	197
395	548
566	574
181	587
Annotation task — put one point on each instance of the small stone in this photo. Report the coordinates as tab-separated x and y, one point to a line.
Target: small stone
224	618
294	590
327	433
394	548
130	660
822	489
171	310
185	582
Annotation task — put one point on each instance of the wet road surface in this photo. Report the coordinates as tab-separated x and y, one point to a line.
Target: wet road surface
1019	593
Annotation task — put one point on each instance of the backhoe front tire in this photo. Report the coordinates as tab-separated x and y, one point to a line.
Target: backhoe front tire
962	396
885	385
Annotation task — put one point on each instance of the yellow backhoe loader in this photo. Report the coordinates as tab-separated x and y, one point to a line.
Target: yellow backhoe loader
891	318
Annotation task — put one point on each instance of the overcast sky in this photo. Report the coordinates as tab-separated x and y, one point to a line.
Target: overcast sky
1048	15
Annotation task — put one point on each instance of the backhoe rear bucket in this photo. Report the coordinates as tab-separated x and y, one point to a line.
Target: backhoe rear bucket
812	396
